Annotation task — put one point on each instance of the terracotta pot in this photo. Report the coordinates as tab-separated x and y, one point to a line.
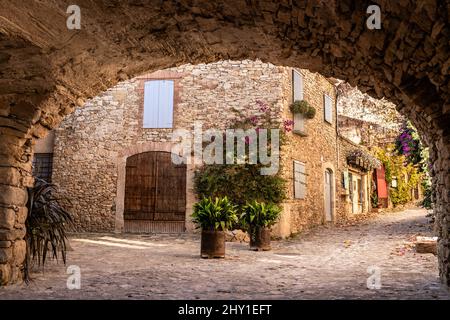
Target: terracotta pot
212	244
260	239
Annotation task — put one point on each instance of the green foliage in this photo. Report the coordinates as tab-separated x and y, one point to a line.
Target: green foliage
259	214
374	199
242	183
47	224
218	214
427	194
407	175
303	107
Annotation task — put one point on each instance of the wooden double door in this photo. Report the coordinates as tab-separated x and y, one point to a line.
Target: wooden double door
155	194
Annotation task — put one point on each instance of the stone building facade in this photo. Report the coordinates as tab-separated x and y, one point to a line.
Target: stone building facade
94	145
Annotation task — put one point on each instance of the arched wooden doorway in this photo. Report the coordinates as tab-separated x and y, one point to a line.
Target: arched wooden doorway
155	194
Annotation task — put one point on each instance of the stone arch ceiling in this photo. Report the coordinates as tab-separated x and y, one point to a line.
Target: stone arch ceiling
46	70
56	68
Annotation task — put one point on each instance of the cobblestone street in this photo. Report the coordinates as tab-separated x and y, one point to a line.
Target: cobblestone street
326	263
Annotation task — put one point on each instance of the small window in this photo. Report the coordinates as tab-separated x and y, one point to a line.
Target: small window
299	180
328	109
158	104
297	85
43	166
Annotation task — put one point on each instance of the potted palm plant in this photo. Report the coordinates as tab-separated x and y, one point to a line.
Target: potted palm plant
214	217
257	218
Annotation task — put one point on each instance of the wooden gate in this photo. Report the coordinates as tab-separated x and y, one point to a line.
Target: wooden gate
155	194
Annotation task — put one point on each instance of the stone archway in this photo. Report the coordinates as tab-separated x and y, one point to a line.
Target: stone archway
48	70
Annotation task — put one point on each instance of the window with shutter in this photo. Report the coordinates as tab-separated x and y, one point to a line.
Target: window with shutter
297	92
299	180
299	123
158	104
297	85
328	109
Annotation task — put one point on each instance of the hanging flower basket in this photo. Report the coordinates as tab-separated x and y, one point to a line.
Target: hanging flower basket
303	107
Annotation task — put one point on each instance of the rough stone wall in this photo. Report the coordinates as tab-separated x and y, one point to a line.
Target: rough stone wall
90	141
49	70
317	150
353	103
366	133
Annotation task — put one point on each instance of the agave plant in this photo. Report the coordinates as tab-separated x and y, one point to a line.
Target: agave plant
259	214
46	225
219	214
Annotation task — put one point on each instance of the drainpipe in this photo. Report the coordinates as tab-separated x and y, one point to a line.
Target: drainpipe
337	131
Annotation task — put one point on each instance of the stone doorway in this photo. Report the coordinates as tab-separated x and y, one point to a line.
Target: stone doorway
329	195
155	194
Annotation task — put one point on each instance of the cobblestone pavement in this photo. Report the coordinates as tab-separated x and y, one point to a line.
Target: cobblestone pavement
326	263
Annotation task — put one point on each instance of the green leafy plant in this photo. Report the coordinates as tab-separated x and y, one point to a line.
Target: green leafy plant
408	175
242	183
374	199
303	107
259	214
47	224
219	214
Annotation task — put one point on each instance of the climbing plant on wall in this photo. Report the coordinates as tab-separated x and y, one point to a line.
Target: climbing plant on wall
244	182
397	167
408	143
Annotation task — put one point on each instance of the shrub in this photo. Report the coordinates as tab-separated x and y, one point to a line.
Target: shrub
218	214
242	183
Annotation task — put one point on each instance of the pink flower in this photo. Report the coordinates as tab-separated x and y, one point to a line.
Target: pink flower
253	120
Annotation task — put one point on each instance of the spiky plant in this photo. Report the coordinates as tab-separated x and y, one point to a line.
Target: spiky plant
259	214
219	214
47	224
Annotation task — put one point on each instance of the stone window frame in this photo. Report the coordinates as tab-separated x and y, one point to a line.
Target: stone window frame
176	77
122	157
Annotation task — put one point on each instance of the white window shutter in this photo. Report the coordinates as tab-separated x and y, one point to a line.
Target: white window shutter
299	180
158	104
297	85
299	122
328	109
165	119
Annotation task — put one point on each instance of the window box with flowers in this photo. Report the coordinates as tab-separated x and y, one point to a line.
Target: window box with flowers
302	111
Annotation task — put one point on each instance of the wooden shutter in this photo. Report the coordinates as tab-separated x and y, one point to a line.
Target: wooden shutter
297	85
299	180
158	104
328	108
382	189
